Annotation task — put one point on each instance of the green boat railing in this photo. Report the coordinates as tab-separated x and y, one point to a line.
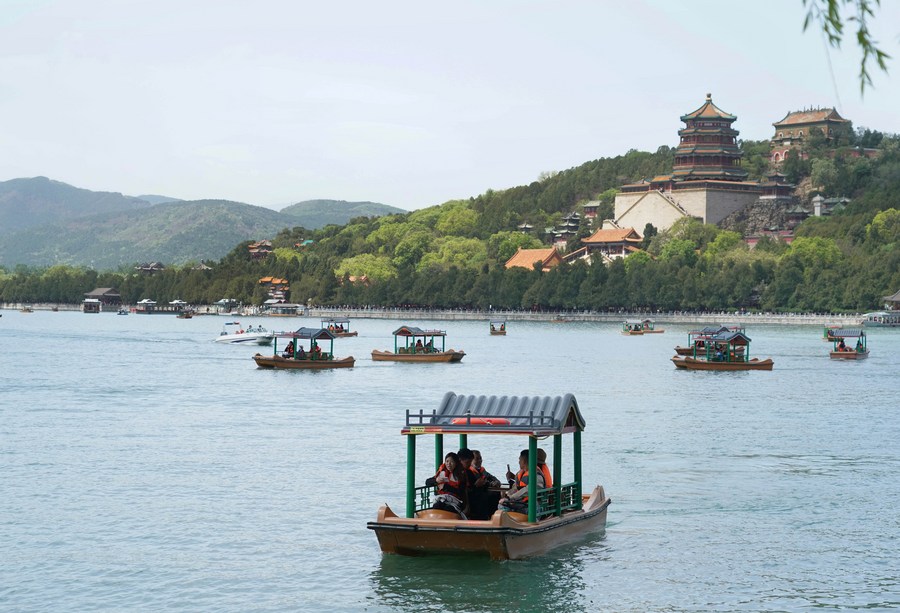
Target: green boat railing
569	499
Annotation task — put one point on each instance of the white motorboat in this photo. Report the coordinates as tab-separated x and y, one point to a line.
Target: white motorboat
233	332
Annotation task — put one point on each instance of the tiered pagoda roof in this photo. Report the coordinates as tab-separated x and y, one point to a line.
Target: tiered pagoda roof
708	147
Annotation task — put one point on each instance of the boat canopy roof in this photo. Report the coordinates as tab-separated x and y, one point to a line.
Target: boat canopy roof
847	332
634	322
336	320
498	321
413	331
732	338
310	333
712	330
532	415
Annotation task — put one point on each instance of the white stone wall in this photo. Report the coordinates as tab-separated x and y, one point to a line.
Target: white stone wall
636	210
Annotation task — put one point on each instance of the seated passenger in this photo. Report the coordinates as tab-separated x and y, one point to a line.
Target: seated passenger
288	351
301	353
450	486
429	346
482	499
419	346
516	498
842	346
542	466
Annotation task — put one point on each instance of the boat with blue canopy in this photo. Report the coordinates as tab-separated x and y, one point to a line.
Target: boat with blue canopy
295	356
842	350
412	344
726	350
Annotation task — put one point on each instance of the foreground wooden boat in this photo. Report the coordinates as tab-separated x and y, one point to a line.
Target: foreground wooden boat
418	346
296	357
498	327
339	326
842	350
556	515
727	350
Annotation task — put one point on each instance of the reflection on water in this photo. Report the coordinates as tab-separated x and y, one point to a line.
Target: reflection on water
554	582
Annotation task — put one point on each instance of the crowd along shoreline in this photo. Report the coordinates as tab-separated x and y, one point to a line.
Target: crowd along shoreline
560	317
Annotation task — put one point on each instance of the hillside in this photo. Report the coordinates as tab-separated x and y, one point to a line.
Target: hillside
314	214
29	203
172	233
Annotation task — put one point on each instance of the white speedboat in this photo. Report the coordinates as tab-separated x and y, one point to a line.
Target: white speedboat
234	332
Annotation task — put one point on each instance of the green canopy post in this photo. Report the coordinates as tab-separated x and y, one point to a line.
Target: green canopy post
532	479
463	441
557	473
438	451
410	475
578	489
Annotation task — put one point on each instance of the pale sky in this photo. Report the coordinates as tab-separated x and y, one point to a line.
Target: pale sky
407	103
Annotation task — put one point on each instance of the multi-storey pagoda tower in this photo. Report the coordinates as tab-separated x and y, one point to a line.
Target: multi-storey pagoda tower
708	147
707	181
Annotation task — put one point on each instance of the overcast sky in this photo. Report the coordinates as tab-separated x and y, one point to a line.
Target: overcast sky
409	104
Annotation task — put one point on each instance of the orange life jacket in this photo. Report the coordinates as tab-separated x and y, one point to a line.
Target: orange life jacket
522	482
454	486
548	478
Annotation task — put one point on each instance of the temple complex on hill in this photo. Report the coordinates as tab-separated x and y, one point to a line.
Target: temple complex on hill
707	181
796	127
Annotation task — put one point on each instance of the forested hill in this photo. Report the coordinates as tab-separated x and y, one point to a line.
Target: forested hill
314	214
173	233
38	201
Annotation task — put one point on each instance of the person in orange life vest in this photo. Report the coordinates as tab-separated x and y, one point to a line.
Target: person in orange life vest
316	352
482	499
288	351
516	498
542	466
450	486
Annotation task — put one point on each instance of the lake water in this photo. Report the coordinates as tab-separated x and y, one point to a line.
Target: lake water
145	467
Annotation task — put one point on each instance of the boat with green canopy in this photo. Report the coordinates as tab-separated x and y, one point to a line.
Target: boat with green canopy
339	326
498	327
842	350
556	515
727	350
418	345
295	356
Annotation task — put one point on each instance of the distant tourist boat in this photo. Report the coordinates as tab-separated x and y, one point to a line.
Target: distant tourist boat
234	333
843	351
882	319
27	309
729	350
632	327
555	516
697	338
418	346
498	327
339	326
828	332
296	357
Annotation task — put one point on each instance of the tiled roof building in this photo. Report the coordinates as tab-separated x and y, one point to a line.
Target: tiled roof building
527	258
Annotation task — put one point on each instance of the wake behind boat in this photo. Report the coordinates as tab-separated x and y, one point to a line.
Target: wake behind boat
235	334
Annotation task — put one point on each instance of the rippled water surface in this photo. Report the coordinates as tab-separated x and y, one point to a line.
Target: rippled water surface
145	467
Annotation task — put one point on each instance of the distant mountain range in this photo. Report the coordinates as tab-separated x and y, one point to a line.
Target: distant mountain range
45	222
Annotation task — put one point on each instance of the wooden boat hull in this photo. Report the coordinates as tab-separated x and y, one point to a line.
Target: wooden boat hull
440	356
654	331
691	363
849	355
684	350
344	334
506	536
275	361
498	332
632	332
